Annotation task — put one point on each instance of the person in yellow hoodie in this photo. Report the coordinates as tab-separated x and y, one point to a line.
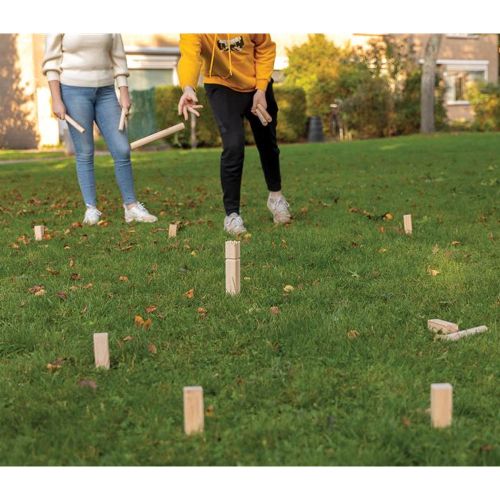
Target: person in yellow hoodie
237	71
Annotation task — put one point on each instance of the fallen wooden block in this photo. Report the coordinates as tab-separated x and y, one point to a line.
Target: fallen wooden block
194	415
463	333
158	135
441	405
101	350
407	224
439	325
172	230
233	284
123	119
39	232
74	124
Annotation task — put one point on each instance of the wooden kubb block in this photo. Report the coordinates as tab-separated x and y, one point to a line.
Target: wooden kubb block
439	325
172	230
39	232
101	350
194	413
407	224
233	276
441	405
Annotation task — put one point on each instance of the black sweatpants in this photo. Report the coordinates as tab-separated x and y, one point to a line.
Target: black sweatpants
230	108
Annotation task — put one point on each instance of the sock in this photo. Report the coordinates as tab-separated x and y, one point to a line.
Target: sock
275	194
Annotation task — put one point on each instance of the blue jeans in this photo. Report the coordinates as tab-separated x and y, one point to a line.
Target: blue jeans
99	104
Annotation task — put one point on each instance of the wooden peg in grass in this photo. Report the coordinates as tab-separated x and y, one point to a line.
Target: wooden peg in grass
101	350
172	230
194	415
39	232
233	283
441	405
407	224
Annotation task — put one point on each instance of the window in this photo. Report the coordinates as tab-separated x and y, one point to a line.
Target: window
143	79
457	82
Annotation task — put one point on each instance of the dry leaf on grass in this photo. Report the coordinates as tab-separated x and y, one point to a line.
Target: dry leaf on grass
75	277
103	223
455	243
352	334
147	324
406	421
37	290
288	288
55	365
62	295
210	411
189	294
275	310
433	272
152	349
138	320
151	309
388	216
71	263
202	312
123	278
52	271
128	338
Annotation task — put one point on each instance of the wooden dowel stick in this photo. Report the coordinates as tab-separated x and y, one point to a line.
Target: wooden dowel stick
441	405
407	224
101	350
123	118
265	113
194	415
158	135
172	230
463	333
39	232
261	117
74	124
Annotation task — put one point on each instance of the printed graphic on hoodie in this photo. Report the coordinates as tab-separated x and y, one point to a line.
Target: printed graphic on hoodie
236	44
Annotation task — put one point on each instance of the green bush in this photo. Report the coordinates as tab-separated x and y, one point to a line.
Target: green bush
142	118
292	118
368	111
485	99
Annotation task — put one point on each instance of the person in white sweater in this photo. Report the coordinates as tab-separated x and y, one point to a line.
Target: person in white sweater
82	70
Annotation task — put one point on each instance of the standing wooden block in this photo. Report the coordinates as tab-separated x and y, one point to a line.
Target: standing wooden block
233	278
407	224
101	350
172	230
439	325
194	415
39	232
441	405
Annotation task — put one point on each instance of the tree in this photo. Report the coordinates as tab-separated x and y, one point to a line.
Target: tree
427	85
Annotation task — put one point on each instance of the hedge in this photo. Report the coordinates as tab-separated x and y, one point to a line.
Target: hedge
156	109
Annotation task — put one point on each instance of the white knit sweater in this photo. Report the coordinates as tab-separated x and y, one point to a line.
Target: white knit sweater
85	60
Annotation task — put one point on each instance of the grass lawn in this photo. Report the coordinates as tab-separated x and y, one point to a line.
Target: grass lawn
341	376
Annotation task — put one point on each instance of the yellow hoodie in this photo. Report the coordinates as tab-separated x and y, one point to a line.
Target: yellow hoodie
242	62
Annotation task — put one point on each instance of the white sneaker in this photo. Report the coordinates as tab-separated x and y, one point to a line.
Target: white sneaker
138	213
233	224
92	216
278	206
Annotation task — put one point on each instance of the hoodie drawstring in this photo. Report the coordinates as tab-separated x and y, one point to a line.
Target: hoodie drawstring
229	46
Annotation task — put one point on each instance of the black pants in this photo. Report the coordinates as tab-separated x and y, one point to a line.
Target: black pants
230	108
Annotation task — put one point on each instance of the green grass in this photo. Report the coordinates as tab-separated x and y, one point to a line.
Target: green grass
17	155
292	388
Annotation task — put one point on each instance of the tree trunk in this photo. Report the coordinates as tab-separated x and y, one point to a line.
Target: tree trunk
427	125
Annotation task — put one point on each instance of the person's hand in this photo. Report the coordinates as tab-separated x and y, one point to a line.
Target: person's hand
125	101
188	103
259	107
58	108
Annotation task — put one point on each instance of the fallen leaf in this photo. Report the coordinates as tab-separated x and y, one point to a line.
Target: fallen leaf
87	286
75	225
189	294
382	250
88	383
75	277
123	278
71	262
288	288
487	447
55	365
388	216
151	309
15	246
455	243
435	249
37	290
433	272
210	411
202	312
406	421
247	236
381	229
73	288
147	324
152	349
62	295
128	338
138	320
52	271
66	247
304	210
352	334
194	253
103	223
275	310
